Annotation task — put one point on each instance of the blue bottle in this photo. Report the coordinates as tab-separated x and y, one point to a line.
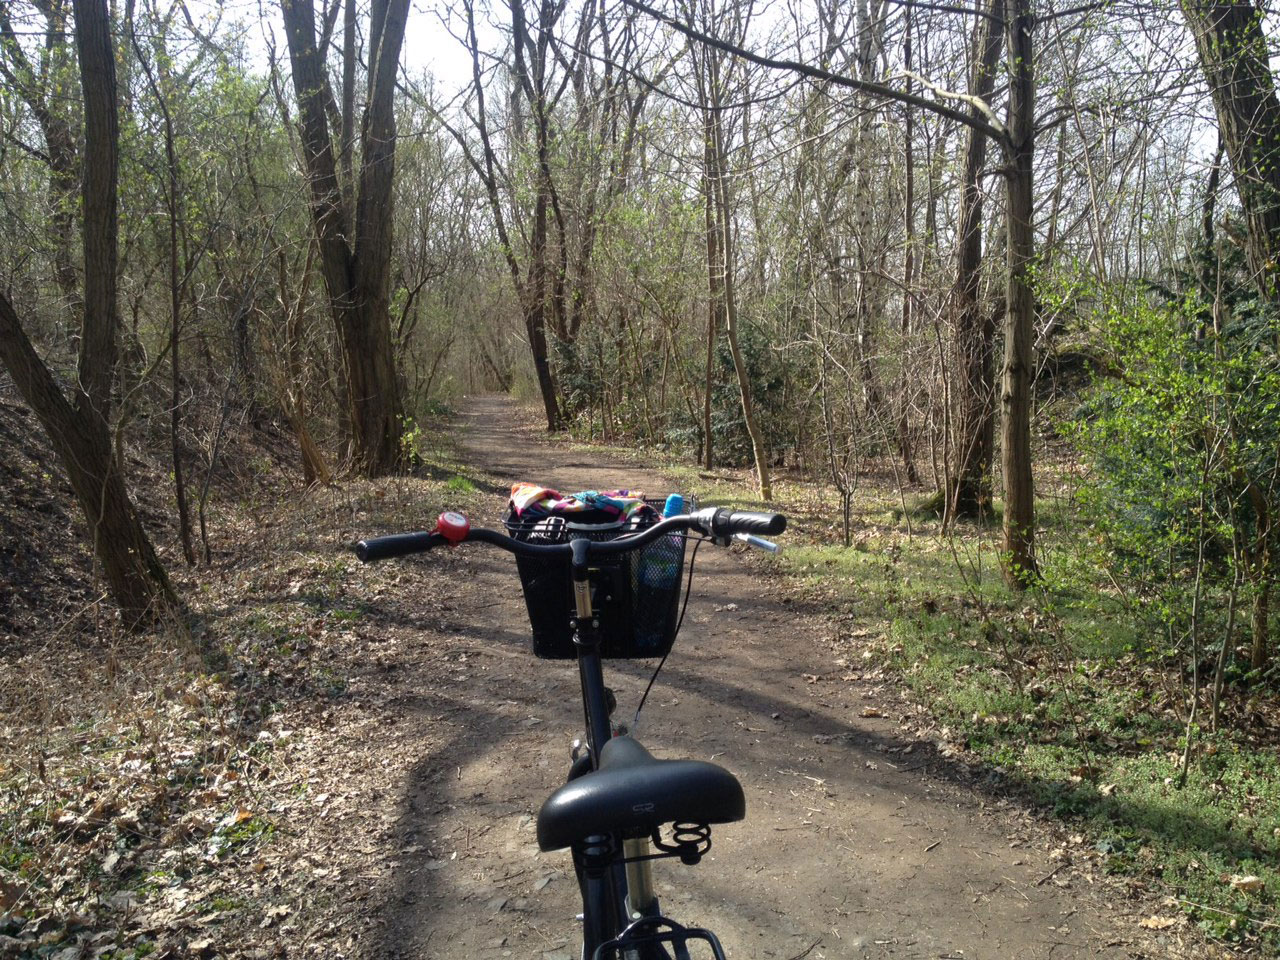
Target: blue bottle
662	558
659	579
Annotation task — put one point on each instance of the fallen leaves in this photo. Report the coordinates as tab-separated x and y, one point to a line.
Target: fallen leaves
1159	923
1247	883
124	817
10	893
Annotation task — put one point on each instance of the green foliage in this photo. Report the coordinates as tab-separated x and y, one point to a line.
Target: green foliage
1180	448
411	438
239	830
460	484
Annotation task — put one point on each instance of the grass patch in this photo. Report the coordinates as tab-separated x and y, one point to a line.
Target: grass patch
239	830
1104	754
460	484
139	951
1063	697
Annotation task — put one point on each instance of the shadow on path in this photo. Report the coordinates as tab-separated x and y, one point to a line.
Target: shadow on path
845	852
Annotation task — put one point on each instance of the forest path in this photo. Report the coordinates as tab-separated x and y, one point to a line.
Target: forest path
847	851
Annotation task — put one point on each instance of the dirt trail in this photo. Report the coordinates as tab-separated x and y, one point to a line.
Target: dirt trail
848	850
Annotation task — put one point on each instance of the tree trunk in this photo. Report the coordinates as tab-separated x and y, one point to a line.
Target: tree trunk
869	23
175	307
1260	626
379	415
135	577
356	275
972	388
908	278
534	307
758	452
539	282
347	134
175	326
81	430
715	293
1233	53
1019	493
1260	573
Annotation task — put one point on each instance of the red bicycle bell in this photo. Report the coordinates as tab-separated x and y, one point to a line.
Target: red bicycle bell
453	526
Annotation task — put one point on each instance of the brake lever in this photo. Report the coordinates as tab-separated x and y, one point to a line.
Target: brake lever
760	543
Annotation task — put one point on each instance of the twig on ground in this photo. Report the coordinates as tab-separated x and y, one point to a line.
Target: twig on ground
804	953
1051	874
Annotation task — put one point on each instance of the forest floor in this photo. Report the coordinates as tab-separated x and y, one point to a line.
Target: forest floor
346	761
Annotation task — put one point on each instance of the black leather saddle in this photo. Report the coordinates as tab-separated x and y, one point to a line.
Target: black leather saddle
632	792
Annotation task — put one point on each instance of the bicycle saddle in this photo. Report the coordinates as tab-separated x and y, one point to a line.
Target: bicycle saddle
633	792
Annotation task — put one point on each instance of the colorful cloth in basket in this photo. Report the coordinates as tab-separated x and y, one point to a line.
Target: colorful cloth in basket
529	500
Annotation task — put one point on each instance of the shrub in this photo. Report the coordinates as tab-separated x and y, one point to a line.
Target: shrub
1180	443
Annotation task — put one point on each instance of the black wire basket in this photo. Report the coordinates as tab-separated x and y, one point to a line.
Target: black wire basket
634	595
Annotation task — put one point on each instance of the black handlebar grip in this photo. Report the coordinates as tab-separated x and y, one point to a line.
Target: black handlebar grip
396	545
743	521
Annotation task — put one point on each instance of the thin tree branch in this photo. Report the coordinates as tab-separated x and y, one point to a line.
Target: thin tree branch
865	86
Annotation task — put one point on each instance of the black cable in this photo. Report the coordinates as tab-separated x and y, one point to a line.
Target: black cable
688	591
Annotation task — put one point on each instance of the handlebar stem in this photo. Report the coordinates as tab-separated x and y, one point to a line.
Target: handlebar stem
580	558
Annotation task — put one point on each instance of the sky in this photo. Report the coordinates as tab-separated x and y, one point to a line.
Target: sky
428	47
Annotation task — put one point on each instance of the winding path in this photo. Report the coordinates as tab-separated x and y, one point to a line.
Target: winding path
848	850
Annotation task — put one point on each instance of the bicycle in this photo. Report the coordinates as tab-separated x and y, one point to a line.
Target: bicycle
605	591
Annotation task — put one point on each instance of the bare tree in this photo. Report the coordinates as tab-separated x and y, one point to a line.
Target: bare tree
79	426
712	83
35	84
533	282
1016	137
972	386
1234	56
355	251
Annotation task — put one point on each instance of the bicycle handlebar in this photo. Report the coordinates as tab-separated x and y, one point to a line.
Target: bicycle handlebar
715	522
725	523
396	545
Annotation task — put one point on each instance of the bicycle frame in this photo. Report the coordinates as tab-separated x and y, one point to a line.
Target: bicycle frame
606	905
619	908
